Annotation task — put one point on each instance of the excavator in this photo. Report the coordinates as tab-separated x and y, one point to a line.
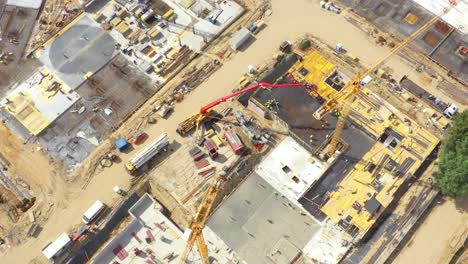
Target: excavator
196	119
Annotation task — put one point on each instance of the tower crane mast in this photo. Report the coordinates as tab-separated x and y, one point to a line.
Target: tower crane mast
353	87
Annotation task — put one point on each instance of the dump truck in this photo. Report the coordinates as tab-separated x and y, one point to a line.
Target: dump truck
147	153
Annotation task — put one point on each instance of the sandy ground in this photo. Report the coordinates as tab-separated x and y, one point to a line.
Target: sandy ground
304	16
25	160
434	241
29	164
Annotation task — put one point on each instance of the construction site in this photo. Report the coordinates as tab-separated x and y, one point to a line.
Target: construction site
209	132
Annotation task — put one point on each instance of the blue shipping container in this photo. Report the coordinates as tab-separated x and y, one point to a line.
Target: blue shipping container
121	144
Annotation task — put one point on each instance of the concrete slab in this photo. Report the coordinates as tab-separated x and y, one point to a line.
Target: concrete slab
456	15
256	217
160	240
36	103
80	51
34	4
290	169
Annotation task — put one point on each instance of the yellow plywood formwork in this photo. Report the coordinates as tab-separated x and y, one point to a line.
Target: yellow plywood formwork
115	21
169	15
411	18
21	104
359	186
123	29
364	190
314	69
22	108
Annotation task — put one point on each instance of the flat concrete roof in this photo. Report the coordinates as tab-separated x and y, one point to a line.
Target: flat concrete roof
39	101
291	169
456	15
80	51
295	107
34	4
261	224
225	12
151	229
440	41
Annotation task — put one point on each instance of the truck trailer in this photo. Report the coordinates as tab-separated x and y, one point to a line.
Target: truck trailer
147	153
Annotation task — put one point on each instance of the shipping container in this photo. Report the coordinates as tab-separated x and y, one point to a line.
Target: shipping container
234	141
211	148
240	38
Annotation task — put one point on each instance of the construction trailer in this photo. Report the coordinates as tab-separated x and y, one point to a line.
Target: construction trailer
240	38
55	249
234	141
147	153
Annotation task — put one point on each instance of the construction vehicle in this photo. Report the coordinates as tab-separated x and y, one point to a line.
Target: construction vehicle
348	93
194	121
147	153
198	223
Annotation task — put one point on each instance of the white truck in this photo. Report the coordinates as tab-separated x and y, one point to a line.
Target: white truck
147	153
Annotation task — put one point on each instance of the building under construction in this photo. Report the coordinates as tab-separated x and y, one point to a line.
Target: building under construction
445	42
380	150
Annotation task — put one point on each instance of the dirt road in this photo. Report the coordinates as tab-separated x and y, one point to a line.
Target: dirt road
435	241
287	21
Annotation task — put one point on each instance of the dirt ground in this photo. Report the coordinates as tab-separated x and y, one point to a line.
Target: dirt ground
304	16
30	165
439	236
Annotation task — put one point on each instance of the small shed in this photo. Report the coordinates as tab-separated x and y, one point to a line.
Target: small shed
240	38
121	144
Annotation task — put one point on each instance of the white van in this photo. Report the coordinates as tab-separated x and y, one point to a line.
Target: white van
451	111
93	212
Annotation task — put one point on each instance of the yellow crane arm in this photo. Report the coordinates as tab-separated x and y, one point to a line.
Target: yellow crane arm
353	86
343	114
201	245
204	210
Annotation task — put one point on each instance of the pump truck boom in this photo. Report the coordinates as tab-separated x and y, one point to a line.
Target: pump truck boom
147	153
194	121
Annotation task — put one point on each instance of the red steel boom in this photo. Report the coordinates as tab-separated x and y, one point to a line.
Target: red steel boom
207	107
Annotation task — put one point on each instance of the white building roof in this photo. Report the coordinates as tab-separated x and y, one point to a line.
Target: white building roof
290	169
329	244
51	250
34	4
51	107
457	16
150	229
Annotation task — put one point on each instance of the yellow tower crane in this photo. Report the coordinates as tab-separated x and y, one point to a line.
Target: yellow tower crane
353	87
204	210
